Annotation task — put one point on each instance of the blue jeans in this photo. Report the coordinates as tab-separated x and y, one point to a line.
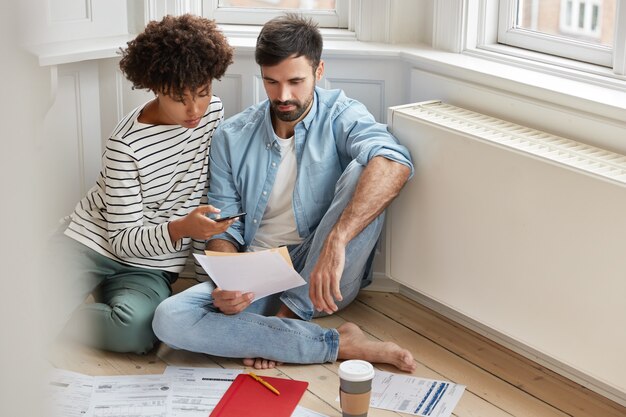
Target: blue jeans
190	321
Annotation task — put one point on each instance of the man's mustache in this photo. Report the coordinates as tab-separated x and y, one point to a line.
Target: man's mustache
285	103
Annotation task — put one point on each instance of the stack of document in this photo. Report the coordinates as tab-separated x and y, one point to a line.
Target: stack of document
195	392
178	392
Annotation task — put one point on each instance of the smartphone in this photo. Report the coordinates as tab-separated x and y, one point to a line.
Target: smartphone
232	216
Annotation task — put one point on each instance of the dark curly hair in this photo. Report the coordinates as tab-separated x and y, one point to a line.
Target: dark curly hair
175	54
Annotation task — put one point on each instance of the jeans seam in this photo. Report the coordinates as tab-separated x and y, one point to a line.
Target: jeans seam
279	329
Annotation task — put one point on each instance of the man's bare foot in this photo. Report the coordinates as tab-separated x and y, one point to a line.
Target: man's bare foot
354	344
260	363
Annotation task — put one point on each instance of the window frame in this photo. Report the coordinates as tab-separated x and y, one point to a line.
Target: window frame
337	19
508	34
470	27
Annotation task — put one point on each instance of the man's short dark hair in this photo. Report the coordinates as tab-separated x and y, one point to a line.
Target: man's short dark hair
175	54
287	36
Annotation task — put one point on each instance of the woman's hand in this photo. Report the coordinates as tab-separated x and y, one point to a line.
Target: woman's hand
197	225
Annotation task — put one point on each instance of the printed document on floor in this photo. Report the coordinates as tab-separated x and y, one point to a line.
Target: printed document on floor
178	392
412	395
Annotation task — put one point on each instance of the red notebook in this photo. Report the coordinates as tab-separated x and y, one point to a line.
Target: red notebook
248	397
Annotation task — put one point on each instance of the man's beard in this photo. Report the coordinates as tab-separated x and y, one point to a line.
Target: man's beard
293	115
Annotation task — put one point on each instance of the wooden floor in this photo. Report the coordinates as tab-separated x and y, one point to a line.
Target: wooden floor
499	382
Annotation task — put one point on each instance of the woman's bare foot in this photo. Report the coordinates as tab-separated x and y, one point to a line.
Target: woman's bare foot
354	344
260	363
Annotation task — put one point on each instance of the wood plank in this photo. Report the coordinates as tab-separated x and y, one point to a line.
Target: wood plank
538	381
451	366
470	405
78	358
500	382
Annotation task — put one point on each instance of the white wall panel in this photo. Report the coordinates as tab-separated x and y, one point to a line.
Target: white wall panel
228	89
70	20
369	92
71	140
69	10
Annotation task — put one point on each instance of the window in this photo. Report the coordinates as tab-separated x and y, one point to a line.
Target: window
328	13
583	30
582	19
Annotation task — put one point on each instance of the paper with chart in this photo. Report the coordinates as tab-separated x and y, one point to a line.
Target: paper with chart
262	273
417	396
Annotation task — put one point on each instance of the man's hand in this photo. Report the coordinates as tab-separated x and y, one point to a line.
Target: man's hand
197	225
231	302
325	278
380	182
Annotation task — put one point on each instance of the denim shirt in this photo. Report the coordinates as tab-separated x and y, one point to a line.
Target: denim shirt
245	155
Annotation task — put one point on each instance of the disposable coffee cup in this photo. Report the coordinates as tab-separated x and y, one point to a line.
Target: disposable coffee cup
355	387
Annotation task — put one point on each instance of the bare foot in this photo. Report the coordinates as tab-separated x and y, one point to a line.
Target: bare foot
354	344
260	363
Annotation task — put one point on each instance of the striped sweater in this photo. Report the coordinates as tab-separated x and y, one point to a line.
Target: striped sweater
151	174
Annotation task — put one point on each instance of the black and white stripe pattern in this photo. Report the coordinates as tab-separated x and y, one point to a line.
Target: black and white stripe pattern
151	174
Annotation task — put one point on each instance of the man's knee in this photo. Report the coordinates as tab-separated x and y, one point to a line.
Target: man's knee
350	176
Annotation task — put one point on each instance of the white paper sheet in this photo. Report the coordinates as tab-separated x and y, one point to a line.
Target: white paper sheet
196	391
67	394
262	273
130	395
305	412
417	396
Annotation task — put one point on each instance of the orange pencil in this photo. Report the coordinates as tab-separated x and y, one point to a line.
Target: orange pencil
264	383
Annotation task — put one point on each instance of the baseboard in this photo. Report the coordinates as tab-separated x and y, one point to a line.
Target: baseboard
516	346
382	283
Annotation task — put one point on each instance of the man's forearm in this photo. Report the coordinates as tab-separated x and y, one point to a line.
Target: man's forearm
380	182
221	245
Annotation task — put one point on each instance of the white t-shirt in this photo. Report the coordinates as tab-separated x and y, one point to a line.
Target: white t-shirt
278	225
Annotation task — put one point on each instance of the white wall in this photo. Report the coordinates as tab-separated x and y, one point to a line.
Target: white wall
23	104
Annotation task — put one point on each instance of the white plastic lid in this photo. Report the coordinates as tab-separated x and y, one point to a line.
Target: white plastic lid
356	370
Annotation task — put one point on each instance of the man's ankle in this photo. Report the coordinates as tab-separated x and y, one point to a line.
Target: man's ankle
284	312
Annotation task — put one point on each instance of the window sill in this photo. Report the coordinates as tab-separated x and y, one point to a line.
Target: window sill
242	37
599	94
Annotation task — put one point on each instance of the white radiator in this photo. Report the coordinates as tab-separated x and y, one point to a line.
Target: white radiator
520	234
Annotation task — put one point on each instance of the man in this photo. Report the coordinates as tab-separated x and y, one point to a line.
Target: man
128	238
313	171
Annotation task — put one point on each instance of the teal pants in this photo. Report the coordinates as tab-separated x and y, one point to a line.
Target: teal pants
125	297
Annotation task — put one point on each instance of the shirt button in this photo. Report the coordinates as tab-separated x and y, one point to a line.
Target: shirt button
264	192
267	146
254	221
273	164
